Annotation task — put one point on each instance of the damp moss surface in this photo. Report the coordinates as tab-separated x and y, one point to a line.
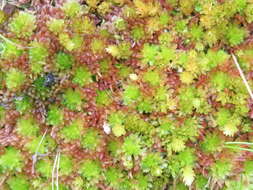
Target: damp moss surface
126	95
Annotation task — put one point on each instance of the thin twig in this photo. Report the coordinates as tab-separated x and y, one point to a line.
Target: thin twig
3	4
242	76
57	171
53	170
239	148
34	158
13	43
242	143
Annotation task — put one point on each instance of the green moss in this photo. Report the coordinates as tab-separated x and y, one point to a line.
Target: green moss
72	131
90	139
103	98
82	76
71	8
215	58
83	25
2	17
120	51
72	99
220	81
223	116
131	145
153	163
10	50
11	160
113	176
248	167
54	116
152	77
196	33
71	43
23	24
137	33
38	52
145	105
149	54
23	104
97	46
90	170
166	55
15	79
66	165
18	182
187	96
131	94
211	143
235	35
27	126
48	144
56	25
221	169
64	61
44	167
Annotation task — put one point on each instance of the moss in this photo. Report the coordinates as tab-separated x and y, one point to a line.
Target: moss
137	33
131	145
11	160
54	116
47	145
103	98
72	131
64	61
55	25
97	46
10	50
235	35
212	143
83	25
44	168
131	94
72	99
152	77
23	24
27	127
71	8
23	104
18	182
15	79
90	139
221	169
82	76
153	163
112	176
120	51
66	165
90	170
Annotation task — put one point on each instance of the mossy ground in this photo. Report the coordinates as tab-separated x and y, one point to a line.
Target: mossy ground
125	95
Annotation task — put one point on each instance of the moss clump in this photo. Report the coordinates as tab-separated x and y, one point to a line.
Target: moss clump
72	99
23	24
11	160
23	104
18	182
54	116
72	131
71	8
64	61
15	79
90	170
27	127
82	76
90	139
